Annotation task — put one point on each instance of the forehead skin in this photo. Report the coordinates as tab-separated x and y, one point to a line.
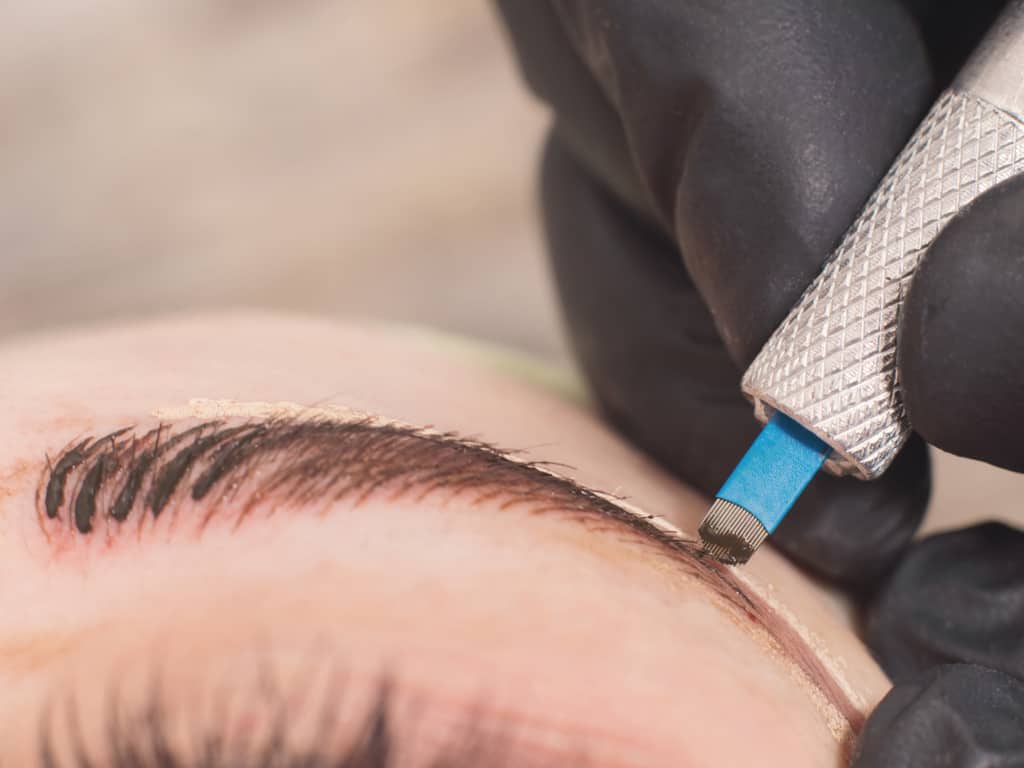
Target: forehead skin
578	636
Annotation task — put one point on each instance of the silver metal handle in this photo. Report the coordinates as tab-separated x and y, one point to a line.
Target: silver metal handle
831	364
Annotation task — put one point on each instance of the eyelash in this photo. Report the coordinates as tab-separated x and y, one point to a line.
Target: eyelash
373	747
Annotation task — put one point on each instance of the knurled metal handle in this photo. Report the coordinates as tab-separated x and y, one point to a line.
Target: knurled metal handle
831	365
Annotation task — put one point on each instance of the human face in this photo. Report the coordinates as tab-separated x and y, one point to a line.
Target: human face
244	537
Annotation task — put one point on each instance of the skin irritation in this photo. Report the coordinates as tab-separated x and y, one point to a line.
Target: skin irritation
67	520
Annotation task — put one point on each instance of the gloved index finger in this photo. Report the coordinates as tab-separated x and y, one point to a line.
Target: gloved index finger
757	129
955	597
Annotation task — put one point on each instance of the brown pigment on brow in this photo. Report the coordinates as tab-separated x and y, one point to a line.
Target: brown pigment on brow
70	459
143	454
171	474
85	498
224	460
297	462
793	644
783	635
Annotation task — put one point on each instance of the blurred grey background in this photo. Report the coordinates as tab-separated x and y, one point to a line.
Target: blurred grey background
370	159
359	158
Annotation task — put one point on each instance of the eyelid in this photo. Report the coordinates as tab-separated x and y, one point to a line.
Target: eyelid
307	721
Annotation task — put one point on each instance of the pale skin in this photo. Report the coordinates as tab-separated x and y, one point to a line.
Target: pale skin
571	641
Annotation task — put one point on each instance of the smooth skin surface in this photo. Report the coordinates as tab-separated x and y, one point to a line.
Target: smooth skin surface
562	641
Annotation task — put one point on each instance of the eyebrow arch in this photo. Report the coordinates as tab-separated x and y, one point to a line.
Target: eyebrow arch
129	478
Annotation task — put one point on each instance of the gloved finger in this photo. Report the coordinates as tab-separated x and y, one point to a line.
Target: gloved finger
853	532
954	716
756	130
961	357
952	30
641	333
585	121
954	597
660	373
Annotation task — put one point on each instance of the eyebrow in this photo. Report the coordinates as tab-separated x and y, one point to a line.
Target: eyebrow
106	486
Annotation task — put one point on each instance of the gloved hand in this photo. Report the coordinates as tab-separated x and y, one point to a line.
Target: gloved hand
705	158
957	597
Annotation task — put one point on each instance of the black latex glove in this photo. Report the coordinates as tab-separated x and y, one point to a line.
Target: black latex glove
957	597
705	158
955	716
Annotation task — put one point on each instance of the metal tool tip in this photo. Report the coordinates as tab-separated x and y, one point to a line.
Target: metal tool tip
731	534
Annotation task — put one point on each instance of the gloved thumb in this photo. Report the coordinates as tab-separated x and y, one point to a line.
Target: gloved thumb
961	346
955	716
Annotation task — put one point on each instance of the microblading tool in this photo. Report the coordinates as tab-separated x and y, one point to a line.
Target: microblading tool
826	381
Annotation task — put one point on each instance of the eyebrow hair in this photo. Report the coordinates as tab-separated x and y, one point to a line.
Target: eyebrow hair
131	477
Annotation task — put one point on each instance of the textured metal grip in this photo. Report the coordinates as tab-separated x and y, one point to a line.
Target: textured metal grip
831	365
